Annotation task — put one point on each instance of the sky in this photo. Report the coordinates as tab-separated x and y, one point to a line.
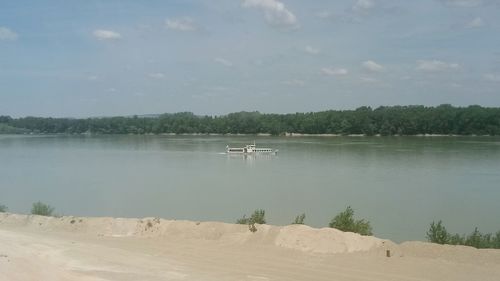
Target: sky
69	58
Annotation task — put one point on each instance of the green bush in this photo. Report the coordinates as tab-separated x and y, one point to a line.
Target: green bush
475	239
437	234
3	208
258	216
345	222
456	239
243	220
299	219
42	209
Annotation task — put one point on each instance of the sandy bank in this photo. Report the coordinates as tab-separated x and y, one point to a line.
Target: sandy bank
81	248
297	237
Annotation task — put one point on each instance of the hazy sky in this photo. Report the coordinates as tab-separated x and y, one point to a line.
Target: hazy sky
110	57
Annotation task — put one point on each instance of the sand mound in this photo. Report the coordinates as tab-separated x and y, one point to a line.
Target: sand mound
325	240
296	237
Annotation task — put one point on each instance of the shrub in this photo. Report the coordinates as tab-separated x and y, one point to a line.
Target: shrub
345	222
437	234
456	240
496	241
476	239
3	208
258	216
243	220
42	209
299	219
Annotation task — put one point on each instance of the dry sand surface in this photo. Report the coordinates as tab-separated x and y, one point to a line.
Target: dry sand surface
81	248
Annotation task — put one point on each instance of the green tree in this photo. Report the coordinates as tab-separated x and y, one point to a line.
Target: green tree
475	239
42	209
437	233
3	208
345	221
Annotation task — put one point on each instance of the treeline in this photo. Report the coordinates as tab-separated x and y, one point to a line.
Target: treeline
386	120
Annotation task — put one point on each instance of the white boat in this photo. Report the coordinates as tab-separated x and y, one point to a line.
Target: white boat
250	149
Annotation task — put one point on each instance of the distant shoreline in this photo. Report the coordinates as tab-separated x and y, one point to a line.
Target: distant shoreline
288	135
443	120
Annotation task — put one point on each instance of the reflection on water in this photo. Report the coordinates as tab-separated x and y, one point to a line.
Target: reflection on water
400	184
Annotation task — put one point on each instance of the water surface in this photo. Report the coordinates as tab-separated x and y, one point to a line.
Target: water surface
400	184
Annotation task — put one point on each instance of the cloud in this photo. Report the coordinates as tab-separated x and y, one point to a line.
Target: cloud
475	23
102	34
181	24
436	65
7	34
492	77
311	50
223	62
372	66
462	3
363	5
334	71
157	75
275	12
92	77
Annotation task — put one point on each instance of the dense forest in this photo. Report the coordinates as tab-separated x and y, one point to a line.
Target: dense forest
385	120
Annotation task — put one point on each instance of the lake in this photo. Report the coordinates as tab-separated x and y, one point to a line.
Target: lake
400	184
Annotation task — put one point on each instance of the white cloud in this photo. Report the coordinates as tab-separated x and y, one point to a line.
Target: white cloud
92	77
334	71
181	24
157	75
7	34
363	5
372	66
492	77
102	34
462	3
477	22
224	62
275	11
311	50
436	65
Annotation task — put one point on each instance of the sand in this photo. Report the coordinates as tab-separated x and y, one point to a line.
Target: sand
82	248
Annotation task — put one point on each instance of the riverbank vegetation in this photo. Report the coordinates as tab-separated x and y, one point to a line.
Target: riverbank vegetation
385	120
42	209
438	234
345	221
299	219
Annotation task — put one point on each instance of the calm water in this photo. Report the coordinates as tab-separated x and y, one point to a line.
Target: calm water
400	184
